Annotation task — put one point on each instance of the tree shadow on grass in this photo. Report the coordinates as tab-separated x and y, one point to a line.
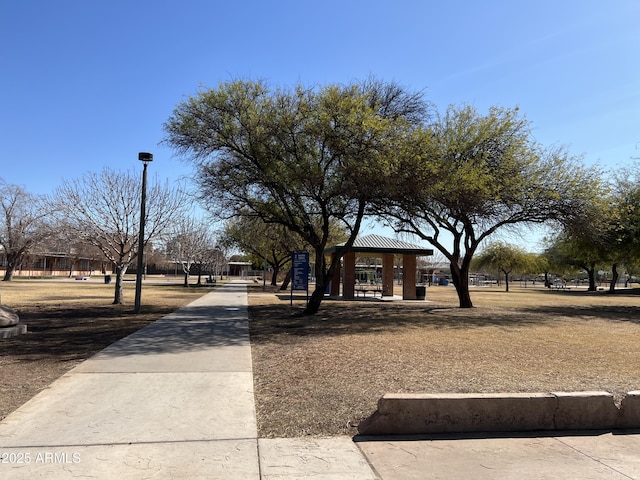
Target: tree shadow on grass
617	313
269	322
276	322
70	334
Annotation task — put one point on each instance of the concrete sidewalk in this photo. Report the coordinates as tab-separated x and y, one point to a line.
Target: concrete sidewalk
175	400
542	455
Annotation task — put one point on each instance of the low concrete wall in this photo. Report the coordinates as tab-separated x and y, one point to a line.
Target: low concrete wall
410	414
630	411
585	411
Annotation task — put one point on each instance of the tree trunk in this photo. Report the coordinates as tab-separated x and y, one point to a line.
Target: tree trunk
506	281
591	272
316	297
274	275
118	298
315	300
8	274
614	277
460	278
186	278
322	278
285	282
13	261
73	263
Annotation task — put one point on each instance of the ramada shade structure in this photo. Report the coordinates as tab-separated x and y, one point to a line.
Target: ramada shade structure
378	246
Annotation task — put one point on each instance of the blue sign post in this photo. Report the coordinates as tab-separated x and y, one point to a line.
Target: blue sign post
300	272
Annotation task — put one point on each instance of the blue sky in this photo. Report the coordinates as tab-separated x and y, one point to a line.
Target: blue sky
86	84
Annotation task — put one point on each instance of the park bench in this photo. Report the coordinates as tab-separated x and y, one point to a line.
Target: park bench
363	288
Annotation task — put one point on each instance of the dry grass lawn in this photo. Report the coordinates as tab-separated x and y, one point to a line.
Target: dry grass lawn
68	321
322	375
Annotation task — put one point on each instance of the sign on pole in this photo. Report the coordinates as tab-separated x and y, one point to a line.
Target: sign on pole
300	272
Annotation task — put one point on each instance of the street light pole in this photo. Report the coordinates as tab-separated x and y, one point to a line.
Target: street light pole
144	158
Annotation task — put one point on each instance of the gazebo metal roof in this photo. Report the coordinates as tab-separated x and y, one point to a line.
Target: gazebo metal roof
380	245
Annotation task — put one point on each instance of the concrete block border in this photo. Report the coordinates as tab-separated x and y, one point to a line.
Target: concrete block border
412	414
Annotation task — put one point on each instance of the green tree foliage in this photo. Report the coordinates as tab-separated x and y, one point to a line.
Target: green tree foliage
606	238
467	175
626	201
302	158
264	242
549	262
582	251
504	258
268	243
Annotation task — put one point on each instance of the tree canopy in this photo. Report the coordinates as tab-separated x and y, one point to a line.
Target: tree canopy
466	175
267	243
303	158
504	258
626	202
608	237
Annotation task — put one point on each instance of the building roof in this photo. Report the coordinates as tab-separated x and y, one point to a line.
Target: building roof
379	244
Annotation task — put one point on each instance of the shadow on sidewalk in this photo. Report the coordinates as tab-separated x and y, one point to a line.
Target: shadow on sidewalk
434	437
189	329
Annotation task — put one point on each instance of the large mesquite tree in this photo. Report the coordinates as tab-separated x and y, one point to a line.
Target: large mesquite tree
304	158
467	175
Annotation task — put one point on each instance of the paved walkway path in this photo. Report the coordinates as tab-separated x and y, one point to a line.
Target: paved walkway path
175	401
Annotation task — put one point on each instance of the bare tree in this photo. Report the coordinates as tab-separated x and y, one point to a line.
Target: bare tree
22	226
209	261
63	246
213	261
104	210
190	239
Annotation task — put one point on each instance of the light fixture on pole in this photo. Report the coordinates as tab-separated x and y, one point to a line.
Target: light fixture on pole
145	158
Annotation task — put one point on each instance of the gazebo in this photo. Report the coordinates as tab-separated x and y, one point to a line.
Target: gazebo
378	246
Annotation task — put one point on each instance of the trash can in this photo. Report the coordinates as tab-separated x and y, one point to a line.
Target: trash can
107	279
421	292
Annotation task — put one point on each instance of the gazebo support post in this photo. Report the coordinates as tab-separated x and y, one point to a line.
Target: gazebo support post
409	277
387	275
349	282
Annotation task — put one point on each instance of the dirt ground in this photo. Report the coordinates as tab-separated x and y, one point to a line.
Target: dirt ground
322	375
